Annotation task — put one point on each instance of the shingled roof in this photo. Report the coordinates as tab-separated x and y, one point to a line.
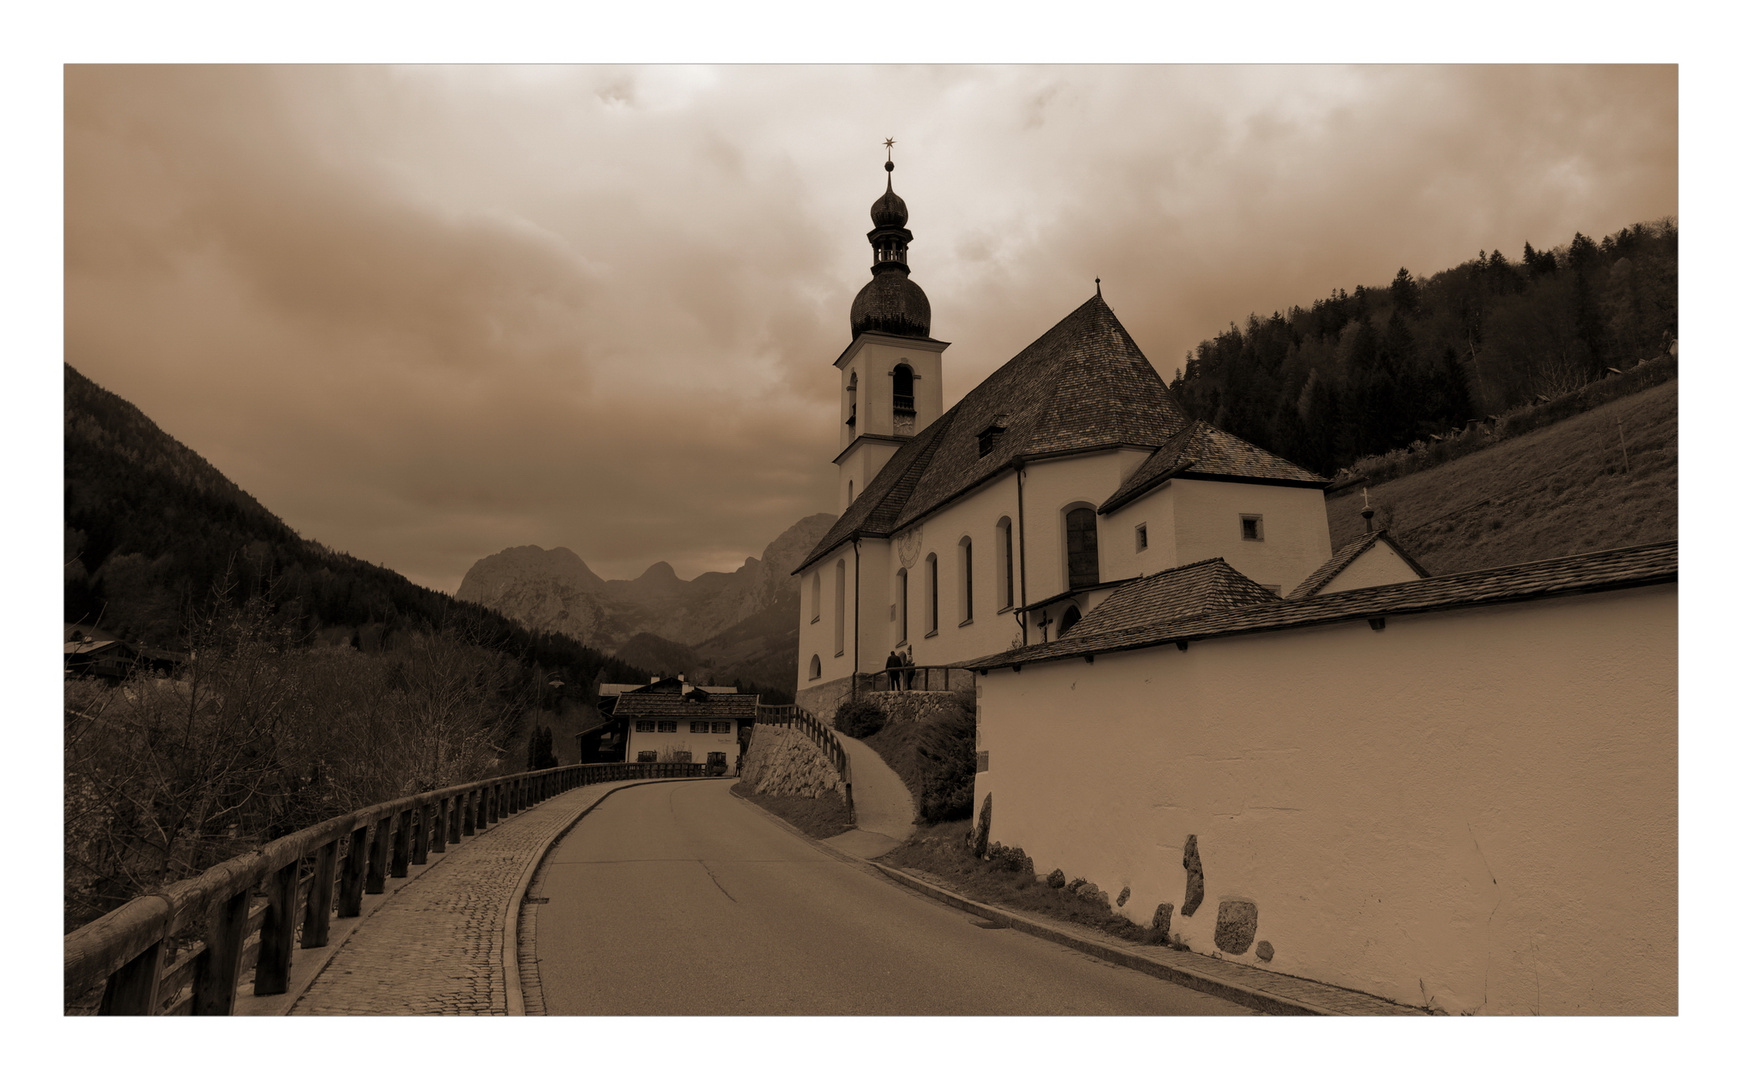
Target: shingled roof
1620	568
1083	385
1206	452
715	707
1182	592
1343	556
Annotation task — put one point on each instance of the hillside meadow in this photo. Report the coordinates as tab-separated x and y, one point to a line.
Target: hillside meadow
1603	479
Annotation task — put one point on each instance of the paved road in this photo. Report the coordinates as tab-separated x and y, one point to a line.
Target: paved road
679	899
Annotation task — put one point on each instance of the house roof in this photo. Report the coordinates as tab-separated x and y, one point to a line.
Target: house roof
667	706
1206	452
1182	592
1344	556
1619	568
1082	385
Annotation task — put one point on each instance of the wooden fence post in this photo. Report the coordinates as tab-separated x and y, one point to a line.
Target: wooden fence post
216	969
277	932
132	990
438	841
401	865
355	874
420	836
320	897
375	881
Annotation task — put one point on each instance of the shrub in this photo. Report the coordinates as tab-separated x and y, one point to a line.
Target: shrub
1011	859
860	717
946	752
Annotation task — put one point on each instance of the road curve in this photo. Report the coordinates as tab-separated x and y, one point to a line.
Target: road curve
680	899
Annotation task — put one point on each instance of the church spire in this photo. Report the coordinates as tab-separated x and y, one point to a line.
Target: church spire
890	302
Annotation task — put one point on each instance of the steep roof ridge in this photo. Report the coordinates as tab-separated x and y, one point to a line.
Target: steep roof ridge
1597	571
1034	392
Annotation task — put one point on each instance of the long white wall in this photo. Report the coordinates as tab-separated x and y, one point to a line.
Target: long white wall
1474	809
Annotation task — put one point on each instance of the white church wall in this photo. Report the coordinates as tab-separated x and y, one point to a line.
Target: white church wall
1120	555
1474	809
1053	486
817	636
991	629
1296	536
1378	565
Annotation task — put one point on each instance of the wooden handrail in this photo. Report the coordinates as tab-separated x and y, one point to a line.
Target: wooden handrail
127	949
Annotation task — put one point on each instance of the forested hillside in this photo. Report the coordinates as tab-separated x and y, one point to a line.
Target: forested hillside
153	530
1358	374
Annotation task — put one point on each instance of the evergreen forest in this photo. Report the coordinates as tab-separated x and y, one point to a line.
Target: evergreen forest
1360	374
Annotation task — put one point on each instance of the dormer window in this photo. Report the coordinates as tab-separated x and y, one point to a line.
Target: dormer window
989	439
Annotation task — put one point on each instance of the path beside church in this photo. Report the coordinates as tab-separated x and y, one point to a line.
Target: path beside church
883	808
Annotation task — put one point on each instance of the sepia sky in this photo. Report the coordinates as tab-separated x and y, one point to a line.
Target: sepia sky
426	313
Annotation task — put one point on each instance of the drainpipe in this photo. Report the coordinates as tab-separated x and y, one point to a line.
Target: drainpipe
1022	545
853	686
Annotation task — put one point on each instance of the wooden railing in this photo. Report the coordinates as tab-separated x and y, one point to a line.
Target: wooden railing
820	733
914	678
301	882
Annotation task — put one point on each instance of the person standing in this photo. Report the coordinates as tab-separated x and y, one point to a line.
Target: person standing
907	664
892	668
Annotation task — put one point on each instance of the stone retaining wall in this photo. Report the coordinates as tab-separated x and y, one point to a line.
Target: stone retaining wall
782	760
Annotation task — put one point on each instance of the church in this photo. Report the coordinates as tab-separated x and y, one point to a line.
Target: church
1454	792
999	523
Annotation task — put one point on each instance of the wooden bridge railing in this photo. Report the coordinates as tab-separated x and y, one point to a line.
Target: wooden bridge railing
820	733
307	878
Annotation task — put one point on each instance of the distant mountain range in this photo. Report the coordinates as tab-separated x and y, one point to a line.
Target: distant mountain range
152	530
717	627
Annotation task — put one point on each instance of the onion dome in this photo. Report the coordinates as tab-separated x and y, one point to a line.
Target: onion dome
890	303
889	212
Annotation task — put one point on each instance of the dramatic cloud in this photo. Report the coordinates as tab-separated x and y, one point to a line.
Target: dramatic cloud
428	313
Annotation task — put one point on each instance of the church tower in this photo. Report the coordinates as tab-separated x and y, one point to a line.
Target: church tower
892	373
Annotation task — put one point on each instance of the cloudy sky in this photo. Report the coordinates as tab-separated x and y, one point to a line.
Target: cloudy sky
426	313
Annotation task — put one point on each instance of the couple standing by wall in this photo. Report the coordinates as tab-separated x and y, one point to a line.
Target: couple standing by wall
899	668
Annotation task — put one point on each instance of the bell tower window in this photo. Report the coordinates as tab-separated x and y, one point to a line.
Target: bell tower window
903	388
853	399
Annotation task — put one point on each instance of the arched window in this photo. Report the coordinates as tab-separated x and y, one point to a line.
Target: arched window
1069	619
816	666
965	568
1006	566
840	607
849	491
853	399
816	595
903	388
931	594
901	599
1082	557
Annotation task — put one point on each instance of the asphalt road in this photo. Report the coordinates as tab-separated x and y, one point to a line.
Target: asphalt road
680	899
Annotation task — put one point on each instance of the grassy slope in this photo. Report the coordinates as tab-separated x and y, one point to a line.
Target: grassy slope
1556	491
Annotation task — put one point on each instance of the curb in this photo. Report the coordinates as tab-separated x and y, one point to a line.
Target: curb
1274	1004
1262	1000
510	938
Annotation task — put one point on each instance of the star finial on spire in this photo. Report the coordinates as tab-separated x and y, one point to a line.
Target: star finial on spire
889	145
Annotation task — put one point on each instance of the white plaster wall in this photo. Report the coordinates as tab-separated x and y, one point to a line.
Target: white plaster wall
1119	555
698	745
991	630
1297	535
861	467
1051	486
1378	565
818	637
874	359
1473	809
